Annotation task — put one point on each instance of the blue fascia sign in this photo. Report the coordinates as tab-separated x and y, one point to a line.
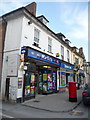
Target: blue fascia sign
66	66
41	56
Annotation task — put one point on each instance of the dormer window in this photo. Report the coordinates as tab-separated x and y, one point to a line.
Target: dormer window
43	19
61	36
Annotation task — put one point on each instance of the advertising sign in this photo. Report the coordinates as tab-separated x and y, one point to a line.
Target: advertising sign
32	90
41	56
67	66
12	65
44	77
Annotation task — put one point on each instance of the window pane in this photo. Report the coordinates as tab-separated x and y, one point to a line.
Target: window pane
36	35
62	50
49	44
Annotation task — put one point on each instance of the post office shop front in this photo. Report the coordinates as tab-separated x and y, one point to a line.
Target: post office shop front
66	75
40	73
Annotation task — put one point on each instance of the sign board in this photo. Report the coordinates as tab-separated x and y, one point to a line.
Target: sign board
42	56
12	65
66	66
13	88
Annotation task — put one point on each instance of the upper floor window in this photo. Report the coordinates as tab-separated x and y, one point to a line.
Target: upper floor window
76	60
49	44
36	37
73	58
62	52
68	59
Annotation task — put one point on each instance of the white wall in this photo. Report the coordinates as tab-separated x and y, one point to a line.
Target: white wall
5	70
13	34
12	42
28	38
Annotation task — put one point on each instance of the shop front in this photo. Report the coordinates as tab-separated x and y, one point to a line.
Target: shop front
66	75
40	73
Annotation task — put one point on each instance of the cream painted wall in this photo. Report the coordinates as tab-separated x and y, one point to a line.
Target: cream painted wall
80	59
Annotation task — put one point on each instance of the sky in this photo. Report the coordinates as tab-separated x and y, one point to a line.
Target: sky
69	17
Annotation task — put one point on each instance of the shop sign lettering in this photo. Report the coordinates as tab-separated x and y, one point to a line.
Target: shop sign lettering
41	56
67	66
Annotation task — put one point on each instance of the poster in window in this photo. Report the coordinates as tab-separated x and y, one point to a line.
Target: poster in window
19	83
44	77
45	87
49	77
32	78
27	90
32	90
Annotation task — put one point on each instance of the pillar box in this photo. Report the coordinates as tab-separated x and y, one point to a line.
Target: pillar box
72	92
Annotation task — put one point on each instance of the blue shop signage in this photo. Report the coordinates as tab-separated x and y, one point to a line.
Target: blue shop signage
23	50
41	56
67	66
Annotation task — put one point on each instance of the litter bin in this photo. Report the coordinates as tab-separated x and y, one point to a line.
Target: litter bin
72	92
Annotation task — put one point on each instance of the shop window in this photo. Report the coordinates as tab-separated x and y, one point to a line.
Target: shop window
63	79
49	44
36	37
62	52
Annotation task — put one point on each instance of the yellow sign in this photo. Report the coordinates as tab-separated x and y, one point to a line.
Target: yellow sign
57	54
44	76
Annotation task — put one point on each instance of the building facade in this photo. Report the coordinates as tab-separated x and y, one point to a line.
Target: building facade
36	60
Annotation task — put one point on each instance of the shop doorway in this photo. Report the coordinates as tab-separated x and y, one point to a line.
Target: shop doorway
29	85
7	88
67	78
36	83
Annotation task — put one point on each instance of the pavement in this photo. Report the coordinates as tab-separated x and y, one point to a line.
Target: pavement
57	102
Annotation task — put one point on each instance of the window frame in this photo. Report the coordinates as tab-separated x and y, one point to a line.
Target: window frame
50	45
36	36
68	56
62	52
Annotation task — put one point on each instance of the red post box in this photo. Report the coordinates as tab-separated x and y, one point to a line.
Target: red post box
72	92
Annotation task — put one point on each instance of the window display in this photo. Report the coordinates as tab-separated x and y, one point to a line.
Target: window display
63	78
47	82
29	84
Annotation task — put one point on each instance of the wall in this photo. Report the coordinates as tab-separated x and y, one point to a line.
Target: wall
11	48
7	67
28	38
13	34
80	60
2	38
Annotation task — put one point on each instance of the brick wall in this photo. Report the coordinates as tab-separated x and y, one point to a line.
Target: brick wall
32	8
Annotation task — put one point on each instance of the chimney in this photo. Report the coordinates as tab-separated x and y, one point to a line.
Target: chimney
81	50
31	8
